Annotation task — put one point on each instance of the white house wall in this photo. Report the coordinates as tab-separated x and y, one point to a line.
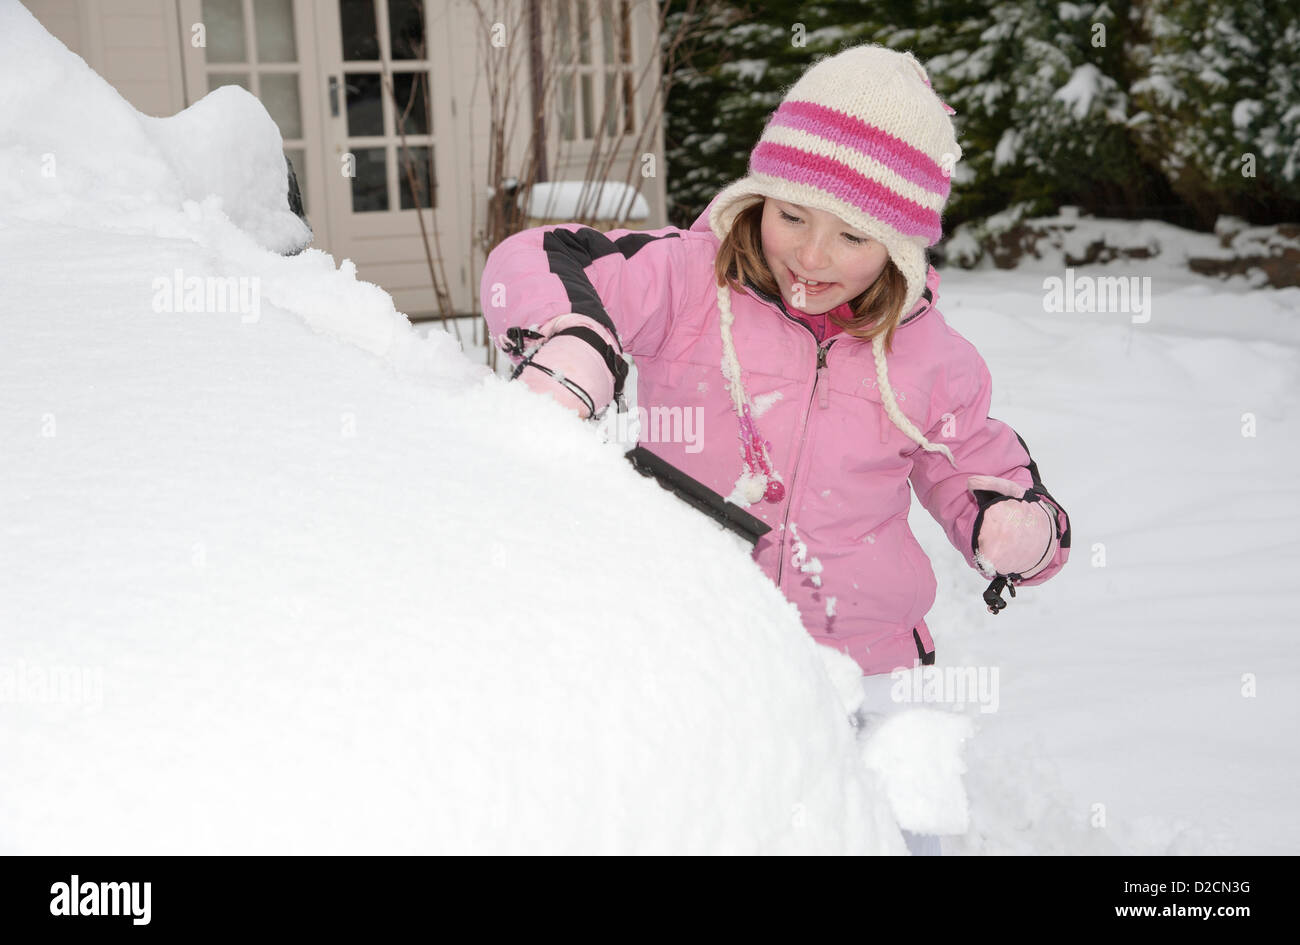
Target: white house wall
133	44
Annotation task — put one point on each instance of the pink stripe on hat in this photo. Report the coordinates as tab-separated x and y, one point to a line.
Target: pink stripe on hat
891	151
848	185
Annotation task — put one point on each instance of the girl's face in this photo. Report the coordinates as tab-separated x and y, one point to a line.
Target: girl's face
813	244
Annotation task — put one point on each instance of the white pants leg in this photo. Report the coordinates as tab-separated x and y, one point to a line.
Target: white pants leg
876	704
923	844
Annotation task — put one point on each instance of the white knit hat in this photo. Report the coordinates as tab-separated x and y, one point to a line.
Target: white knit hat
860	135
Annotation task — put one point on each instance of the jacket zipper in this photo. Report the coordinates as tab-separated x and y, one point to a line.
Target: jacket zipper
824	402
803	438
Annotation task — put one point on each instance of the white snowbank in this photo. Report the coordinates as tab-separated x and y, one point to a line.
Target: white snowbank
288	577
334	608
227	145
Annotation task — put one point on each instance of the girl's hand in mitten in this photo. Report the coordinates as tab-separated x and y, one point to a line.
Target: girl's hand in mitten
569	359
1016	535
569	369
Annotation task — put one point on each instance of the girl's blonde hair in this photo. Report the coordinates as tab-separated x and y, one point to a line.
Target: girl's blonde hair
876	311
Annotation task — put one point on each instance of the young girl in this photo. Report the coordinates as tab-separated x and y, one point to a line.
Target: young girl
796	319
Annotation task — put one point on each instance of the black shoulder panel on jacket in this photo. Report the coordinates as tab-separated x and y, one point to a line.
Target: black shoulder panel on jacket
570	252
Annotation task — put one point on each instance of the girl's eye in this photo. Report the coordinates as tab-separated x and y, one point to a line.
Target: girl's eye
856	241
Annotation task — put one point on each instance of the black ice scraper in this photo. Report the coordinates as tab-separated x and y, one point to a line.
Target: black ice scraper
727	514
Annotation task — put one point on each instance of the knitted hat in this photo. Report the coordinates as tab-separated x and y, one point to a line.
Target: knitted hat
860	135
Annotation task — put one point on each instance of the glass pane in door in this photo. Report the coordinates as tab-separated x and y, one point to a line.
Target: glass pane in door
411	106
365	106
223	22
370	185
406	29
357	23
415	163
275	39
566	106
280	96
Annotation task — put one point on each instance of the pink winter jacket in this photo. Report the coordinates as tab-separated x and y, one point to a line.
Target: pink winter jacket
840	547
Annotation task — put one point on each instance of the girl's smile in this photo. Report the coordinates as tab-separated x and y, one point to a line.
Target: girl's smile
793	278
803	243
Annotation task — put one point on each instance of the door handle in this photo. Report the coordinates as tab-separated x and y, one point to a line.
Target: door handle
334	96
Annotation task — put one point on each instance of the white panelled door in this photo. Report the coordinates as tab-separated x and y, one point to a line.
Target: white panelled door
390	133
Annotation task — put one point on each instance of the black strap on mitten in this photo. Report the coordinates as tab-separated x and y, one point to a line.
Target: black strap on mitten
520	339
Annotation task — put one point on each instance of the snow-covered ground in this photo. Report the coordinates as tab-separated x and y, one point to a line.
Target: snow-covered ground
291	576
260	591
1159	674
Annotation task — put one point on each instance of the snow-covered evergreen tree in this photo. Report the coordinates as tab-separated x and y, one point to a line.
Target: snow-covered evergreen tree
1146	108
1042	112
1219	94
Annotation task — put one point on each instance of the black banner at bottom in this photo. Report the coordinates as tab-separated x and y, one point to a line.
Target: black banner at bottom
212	895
